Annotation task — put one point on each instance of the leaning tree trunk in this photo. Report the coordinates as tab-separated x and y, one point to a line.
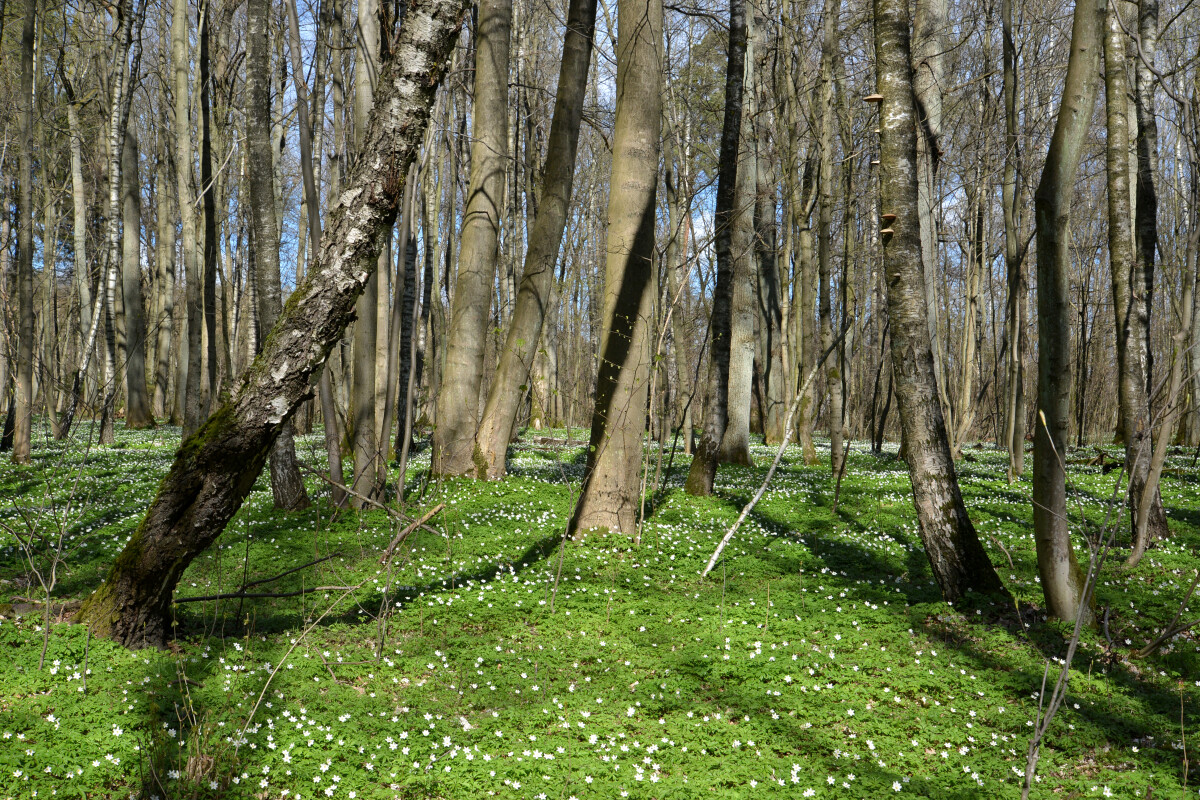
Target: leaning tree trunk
609	497
23	408
137	403
215	469
703	471
287	486
1062	579
959	562
458	398
545	238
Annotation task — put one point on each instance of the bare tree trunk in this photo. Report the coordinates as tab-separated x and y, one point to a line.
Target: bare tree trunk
164	278
287	486
23	402
703	471
215	469
193	267
454	449
833	373
766	236
1062	579
735	443
929	49
536	291
1146	246
333	446
137	404
609	497
122	92
208	389
1014	259
960	564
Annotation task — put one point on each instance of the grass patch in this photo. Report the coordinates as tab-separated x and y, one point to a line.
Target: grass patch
817	659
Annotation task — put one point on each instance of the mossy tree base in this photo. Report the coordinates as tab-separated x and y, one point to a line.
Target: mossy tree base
216	467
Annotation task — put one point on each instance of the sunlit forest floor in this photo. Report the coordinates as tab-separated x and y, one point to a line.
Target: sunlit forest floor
492	659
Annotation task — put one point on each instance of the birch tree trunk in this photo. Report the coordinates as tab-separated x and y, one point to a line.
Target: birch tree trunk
216	468
1062	579
454	449
1146	247
609	496
960	564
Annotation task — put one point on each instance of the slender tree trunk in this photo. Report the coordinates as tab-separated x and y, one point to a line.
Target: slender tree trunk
122	91
1062	579
164	278
208	389
833	373
1014	259
609	497
23	408
287	486
1146	247
960	564
735	444
536	291
308	160
766	236
929	81
703	471
454	449
193	266
215	469
137	403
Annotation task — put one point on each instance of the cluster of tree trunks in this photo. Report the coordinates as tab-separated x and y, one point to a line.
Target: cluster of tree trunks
468	279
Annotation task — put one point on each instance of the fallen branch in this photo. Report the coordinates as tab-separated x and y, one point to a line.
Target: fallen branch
402	535
1174	628
787	433
262	595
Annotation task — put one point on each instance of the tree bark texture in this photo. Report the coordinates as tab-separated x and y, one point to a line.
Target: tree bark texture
137	403
287	486
735	443
703	471
1062	579
23	400
960	564
609	497
215	469
536	291
833	372
1014	257
458	398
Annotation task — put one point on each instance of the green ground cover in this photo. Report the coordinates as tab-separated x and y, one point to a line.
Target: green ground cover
816	661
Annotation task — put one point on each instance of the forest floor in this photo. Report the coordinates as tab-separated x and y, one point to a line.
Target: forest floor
817	660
